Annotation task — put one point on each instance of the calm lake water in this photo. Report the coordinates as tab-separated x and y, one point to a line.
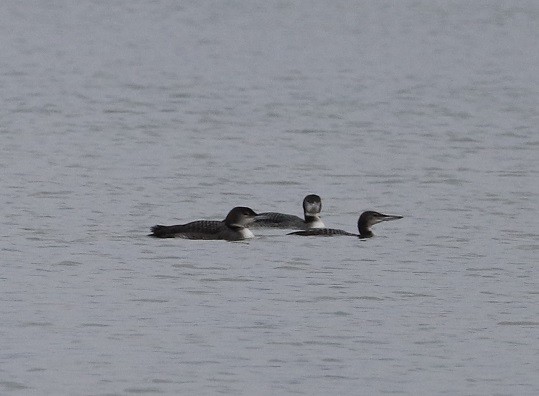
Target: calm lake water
119	115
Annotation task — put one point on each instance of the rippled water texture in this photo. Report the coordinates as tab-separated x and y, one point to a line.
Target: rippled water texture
119	115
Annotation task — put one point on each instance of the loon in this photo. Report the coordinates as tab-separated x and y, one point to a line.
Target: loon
233	228
364	224
312	205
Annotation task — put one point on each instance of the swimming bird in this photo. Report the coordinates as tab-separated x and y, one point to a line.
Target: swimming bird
312	205
364	224
233	228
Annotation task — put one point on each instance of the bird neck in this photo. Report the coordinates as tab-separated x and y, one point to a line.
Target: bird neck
364	231
309	218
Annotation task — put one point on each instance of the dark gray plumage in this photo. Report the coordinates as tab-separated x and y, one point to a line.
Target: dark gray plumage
312	206
233	228
364	224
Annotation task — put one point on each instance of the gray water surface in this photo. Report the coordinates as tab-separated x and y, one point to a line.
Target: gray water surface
116	116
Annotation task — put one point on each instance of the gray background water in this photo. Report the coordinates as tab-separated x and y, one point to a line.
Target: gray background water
116	115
